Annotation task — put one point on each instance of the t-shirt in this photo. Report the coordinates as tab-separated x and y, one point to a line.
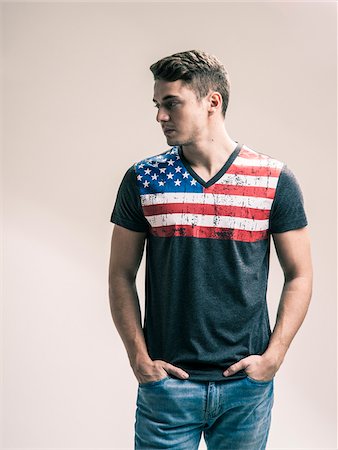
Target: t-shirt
207	254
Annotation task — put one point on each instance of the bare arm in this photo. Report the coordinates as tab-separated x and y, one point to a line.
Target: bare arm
294	254
127	249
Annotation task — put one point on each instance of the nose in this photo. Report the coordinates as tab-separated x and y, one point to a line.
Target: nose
162	116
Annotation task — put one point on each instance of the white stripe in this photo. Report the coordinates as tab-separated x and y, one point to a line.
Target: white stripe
209	199
248	180
205	220
258	162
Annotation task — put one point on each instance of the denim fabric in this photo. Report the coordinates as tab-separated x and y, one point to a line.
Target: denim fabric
232	415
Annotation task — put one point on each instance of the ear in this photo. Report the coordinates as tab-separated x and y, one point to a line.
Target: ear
215	102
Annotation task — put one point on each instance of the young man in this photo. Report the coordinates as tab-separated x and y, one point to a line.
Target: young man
206	358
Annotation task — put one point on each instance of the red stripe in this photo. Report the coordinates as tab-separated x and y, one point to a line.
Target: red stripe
209	232
244	153
233	189
254	170
205	209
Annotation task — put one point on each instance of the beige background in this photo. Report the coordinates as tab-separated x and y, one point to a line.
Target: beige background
77	112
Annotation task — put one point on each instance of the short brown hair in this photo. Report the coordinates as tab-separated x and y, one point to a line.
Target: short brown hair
198	69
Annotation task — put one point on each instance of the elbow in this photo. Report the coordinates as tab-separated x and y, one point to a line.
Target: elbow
300	280
120	282
302	270
118	274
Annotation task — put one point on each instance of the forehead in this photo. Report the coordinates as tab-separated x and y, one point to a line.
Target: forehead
177	88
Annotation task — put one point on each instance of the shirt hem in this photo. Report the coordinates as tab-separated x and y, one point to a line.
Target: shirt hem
289	227
126	224
215	375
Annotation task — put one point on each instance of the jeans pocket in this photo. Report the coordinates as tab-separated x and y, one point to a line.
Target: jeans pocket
154	383
259	382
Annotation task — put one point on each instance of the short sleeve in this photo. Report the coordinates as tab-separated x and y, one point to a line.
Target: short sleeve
127	211
287	210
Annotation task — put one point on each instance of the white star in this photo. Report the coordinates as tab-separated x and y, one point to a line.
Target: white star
170	162
177	182
155	164
161	183
193	182
163	169
170	176
146	183
185	175
154	177
139	177
178	169
147	171
178	157
141	166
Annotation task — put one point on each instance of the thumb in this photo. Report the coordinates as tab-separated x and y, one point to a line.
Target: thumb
180	373
242	364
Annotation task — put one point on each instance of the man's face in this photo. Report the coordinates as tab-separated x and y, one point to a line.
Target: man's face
180	111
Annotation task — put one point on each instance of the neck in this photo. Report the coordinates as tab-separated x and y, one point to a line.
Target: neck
210	152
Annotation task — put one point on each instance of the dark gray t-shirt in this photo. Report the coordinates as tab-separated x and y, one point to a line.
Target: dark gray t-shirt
207	254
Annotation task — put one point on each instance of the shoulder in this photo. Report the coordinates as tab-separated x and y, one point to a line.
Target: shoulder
148	163
155	160
253	157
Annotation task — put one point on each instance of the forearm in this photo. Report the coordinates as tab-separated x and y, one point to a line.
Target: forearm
292	309
126	313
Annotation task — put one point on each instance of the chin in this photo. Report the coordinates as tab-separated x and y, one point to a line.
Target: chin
172	141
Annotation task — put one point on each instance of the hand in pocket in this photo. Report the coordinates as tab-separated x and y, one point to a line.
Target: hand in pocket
157	370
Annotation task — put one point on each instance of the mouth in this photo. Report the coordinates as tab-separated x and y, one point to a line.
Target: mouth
169	131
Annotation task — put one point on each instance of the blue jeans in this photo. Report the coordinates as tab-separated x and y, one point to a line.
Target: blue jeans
232	415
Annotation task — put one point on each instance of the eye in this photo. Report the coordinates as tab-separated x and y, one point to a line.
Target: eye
172	104
168	105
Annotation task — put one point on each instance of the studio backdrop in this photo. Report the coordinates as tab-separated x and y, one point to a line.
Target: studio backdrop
77	112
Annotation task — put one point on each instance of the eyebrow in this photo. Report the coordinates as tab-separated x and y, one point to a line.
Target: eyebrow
166	97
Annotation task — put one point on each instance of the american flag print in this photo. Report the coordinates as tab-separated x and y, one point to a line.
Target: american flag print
237	206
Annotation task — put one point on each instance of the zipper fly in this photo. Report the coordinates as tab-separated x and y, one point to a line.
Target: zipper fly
212	400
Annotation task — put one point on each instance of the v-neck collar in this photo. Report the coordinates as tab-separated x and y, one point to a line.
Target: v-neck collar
218	175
